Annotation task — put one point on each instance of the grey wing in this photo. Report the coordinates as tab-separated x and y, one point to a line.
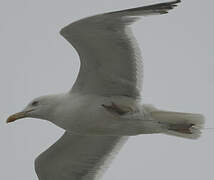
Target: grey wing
110	58
77	157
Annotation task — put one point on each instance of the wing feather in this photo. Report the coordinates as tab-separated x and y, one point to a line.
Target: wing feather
111	63
77	157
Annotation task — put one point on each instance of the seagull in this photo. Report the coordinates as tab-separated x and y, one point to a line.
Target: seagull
105	104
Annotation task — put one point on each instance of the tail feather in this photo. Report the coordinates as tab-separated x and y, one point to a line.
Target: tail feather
187	125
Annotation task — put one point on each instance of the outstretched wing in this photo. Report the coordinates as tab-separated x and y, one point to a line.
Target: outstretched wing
77	157
110	58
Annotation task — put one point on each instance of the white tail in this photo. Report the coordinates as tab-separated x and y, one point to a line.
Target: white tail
185	125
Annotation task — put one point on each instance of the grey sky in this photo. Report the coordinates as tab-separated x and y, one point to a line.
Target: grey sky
177	50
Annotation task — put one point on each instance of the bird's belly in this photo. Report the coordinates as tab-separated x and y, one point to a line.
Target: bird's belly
89	116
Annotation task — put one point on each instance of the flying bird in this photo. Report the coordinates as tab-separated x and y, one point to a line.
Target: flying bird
104	104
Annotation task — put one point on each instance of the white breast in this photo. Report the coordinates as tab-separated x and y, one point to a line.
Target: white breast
80	113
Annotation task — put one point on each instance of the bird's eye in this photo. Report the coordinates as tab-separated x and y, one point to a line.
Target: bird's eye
35	103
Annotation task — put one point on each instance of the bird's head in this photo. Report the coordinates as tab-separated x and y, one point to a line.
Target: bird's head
38	108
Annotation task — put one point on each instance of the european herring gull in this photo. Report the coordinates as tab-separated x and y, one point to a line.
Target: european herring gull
105	102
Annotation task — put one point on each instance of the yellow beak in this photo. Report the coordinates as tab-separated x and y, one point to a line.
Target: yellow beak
16	116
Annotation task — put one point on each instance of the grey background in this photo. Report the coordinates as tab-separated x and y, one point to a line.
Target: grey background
178	55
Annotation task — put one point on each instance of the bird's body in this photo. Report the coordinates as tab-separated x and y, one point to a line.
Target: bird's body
106	98
87	115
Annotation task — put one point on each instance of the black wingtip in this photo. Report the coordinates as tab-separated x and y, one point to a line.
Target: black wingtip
165	7
176	2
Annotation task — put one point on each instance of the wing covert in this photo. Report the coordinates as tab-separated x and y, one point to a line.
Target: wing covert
111	63
77	157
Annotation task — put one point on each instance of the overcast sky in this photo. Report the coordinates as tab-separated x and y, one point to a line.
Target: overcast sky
178	55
